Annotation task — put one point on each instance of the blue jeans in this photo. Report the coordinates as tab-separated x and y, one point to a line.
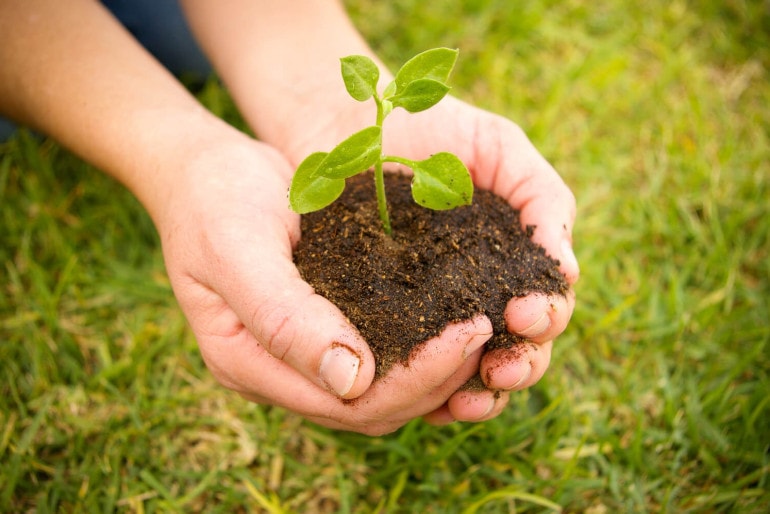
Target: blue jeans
160	26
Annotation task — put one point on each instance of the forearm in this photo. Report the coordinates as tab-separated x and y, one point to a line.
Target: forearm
70	70
280	61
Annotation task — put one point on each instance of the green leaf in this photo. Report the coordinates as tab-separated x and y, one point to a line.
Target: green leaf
435	64
387	108
360	75
442	182
309	191
420	94
357	153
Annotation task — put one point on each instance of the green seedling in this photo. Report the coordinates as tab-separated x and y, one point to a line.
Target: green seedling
440	182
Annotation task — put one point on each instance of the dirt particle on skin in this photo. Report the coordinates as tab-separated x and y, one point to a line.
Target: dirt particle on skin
438	267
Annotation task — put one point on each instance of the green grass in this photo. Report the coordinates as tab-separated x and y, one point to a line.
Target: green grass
658	116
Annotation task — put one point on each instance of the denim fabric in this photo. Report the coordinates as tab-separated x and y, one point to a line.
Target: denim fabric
160	26
7	129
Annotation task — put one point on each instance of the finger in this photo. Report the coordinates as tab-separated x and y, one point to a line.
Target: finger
554	237
552	217
443	415
516	171
439	417
545	203
436	369
539	317
477	405
516	368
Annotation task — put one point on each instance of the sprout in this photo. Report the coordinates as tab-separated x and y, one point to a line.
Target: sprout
440	182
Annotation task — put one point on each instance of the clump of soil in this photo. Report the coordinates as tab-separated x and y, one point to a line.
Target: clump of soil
438	267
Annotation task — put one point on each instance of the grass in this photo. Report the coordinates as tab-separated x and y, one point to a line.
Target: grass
658	116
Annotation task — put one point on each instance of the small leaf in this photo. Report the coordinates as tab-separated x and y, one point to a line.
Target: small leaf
420	94
390	90
360	75
310	192
387	108
357	153
442	182
435	64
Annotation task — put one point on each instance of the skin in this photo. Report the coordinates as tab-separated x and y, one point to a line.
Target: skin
218	197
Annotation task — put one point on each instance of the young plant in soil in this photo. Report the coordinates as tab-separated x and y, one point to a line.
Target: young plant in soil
440	182
400	281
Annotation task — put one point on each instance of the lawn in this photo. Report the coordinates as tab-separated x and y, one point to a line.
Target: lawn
657	114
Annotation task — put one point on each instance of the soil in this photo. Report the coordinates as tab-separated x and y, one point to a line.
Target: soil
437	267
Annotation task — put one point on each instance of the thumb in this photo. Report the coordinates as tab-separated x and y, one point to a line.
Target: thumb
529	183
310	334
292	322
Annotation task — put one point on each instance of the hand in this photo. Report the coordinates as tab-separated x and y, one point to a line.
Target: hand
227	237
501	159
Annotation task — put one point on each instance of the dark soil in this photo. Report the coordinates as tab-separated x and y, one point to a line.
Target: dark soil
438	266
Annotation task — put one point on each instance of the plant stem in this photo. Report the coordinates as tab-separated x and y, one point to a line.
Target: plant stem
379	176
382	203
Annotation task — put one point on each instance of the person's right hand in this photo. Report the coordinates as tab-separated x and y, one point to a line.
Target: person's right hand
502	160
227	235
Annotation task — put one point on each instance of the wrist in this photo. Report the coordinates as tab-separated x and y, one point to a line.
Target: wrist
280	61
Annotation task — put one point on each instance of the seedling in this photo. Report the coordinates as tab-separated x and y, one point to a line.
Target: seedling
440	182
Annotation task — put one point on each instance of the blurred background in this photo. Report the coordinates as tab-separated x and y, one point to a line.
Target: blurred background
657	115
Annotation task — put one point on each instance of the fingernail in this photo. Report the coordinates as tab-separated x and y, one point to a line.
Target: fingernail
489	410
568	258
521	380
339	369
538	327
475	343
